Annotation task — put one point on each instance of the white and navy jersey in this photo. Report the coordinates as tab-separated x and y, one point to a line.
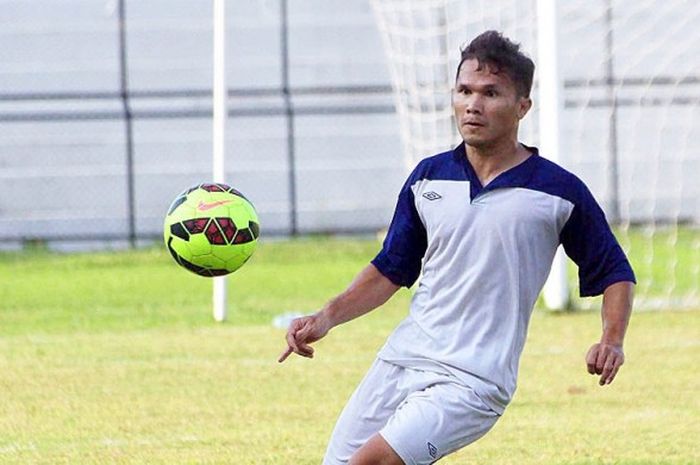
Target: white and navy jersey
485	253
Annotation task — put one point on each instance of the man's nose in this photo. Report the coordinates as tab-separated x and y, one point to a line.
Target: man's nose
473	104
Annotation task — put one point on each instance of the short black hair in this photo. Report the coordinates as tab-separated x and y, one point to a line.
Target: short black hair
499	53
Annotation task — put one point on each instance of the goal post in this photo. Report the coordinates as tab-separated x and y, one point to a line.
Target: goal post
219	118
618	104
556	292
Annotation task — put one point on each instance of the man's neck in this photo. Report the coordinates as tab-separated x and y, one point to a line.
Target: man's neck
489	162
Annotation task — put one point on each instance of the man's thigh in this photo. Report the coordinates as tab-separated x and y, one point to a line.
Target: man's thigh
368	410
435	421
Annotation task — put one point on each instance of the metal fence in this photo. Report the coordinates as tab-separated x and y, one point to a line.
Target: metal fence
100	133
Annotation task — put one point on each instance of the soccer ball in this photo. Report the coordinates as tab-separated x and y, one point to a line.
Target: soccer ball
211	229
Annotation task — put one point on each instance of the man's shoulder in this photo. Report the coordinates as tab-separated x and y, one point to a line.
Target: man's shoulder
548	168
551	178
443	165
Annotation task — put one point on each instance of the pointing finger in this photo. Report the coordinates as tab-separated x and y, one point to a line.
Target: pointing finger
288	351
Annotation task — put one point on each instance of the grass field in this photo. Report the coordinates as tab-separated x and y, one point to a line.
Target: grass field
113	358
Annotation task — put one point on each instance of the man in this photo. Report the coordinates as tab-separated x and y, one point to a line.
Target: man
484	220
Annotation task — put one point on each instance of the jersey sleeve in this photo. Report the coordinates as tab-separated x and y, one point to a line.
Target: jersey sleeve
404	246
590	243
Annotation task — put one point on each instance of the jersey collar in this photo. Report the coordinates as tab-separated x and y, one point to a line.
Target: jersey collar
517	176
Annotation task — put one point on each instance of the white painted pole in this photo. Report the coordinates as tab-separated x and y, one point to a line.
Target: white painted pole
220	113
556	290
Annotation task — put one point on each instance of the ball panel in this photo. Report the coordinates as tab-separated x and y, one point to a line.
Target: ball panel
224	253
242	215
218	187
254	229
236	262
190	189
196	225
176	203
185	263
221	272
243	236
242	257
214	234
228	227
181	213
180	247
235	192
252	214
209	261
199	245
178	230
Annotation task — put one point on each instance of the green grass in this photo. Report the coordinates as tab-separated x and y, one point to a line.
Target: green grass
666	260
49	293
113	358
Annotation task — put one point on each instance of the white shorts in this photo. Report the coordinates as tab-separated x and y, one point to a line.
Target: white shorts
422	415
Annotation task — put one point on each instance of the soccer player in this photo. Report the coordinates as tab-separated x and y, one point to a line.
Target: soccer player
482	222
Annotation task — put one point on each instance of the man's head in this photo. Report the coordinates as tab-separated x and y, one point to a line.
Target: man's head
501	55
492	89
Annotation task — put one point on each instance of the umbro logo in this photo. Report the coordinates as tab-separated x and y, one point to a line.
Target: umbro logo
432	450
432	195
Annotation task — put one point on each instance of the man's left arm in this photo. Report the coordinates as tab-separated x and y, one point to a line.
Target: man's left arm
607	356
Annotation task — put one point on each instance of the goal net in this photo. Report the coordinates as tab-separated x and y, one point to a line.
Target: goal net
629	126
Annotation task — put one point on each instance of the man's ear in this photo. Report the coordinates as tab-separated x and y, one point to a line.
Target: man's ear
524	105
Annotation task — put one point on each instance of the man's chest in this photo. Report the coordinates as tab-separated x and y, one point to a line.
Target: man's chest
446	210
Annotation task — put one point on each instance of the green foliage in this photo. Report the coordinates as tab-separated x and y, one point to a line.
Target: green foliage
113	358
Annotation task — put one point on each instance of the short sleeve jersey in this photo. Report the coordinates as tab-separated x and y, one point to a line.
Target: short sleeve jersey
485	253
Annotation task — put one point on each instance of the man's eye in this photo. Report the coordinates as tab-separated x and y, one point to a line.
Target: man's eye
491	93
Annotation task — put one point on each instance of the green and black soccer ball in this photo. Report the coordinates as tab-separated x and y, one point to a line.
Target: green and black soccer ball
211	229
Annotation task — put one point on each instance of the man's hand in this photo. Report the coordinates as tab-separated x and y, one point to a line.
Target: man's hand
606	357
367	291
605	360
302	332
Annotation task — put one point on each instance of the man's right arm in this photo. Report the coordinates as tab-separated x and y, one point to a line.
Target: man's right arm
368	290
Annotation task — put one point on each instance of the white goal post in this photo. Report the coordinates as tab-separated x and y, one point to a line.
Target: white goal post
220	115
556	291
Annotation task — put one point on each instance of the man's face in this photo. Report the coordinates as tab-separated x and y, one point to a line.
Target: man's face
487	106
